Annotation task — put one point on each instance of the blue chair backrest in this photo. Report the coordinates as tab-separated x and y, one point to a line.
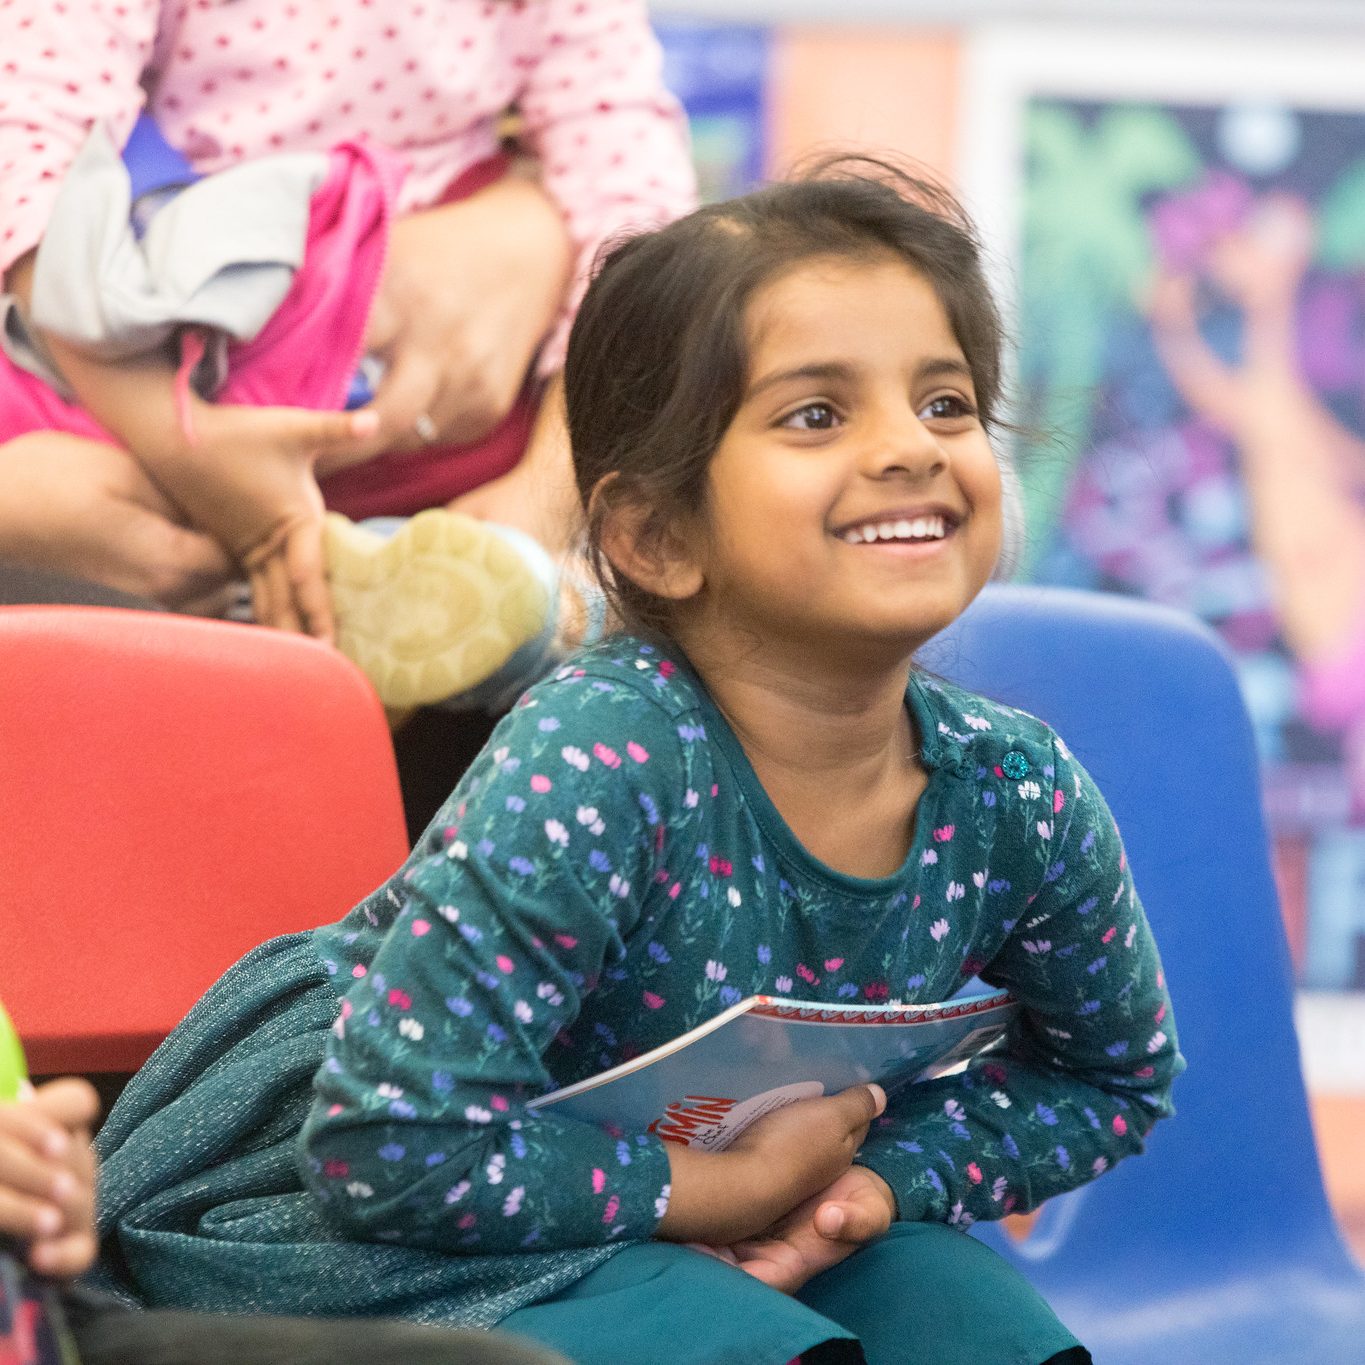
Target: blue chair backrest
1230	1197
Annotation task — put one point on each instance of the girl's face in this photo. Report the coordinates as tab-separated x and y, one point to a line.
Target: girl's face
855	499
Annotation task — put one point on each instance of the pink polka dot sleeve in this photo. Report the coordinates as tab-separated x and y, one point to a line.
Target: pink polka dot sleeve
63	65
611	139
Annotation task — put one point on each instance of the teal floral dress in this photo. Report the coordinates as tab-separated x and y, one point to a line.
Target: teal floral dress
341	1124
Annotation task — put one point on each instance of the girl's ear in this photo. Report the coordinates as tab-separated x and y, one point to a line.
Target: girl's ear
660	559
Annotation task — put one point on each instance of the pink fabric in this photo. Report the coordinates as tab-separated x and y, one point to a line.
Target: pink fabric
428	78
306	353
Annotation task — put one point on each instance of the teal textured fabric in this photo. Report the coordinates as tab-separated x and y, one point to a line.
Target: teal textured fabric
609	874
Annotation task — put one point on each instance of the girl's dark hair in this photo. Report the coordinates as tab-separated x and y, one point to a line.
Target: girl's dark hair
657	363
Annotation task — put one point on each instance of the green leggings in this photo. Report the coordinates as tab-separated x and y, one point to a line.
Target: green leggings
923	1295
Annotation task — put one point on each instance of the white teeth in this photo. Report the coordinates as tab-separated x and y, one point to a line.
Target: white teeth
921	528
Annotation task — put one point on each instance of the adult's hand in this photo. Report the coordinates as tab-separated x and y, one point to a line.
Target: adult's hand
469	289
87	510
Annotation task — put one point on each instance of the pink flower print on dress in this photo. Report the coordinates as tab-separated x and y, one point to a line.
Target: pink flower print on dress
722	867
540	783
806	974
420	927
1108	935
613	1207
400	999
944	833
499	1102
974	1173
1120	1124
1058	800
605	755
599	1180
638	752
832	964
667	667
566	941
652	1001
505	963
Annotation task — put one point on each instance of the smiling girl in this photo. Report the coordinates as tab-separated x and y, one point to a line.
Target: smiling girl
781	411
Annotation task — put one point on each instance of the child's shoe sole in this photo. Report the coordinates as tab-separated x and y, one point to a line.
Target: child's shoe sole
435	609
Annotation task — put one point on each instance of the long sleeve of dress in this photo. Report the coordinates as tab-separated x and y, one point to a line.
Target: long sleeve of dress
612	142
1088	1070
62	67
507	915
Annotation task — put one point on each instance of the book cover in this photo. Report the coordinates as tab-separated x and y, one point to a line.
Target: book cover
705	1087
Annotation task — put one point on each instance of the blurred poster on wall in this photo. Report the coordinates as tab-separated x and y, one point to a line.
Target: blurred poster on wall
1185	230
720	73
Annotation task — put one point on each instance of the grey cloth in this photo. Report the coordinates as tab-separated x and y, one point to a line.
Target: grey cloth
220	255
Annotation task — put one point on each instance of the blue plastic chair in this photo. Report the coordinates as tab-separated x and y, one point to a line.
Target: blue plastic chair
1219	1244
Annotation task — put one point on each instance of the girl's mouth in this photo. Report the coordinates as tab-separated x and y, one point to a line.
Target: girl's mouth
911	530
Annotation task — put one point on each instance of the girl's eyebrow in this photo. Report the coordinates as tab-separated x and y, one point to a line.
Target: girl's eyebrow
836	371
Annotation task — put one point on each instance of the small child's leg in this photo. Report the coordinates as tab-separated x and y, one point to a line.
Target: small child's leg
927	1294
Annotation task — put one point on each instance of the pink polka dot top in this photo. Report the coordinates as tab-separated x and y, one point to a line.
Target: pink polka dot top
227	80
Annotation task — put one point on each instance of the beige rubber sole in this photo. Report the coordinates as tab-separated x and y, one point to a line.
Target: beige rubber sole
433	610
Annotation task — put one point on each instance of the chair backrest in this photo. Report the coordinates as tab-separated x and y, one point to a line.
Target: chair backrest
1230	1192
174	791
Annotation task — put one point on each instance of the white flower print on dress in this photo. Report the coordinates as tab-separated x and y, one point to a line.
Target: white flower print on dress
977	722
477	1114
411	1028
512	1204
494	1170
589	817
523	1011
556	833
937	930
387	1091
715	971
575	757
1029	790
358	1189
457	1192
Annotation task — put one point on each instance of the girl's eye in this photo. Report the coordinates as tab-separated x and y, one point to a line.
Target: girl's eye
947	407
813	417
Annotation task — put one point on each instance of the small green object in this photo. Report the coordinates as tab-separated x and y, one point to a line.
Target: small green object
13	1072
1014	765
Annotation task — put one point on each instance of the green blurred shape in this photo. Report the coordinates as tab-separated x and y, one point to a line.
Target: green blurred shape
1087	256
1341	221
12	1068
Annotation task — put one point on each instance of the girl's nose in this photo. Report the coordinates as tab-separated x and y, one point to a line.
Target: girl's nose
901	445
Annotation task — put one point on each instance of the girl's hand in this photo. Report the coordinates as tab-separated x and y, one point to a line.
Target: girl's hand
856	1209
775	1165
47	1176
247	478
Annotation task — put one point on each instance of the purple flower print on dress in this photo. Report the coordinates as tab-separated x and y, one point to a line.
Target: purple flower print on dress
392	1151
523	867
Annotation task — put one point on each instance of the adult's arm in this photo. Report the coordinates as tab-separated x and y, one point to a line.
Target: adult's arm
611	140
64	67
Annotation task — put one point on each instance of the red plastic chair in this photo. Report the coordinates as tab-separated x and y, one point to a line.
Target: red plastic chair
173	791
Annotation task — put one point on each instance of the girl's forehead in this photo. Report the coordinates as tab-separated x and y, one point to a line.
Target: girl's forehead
834	300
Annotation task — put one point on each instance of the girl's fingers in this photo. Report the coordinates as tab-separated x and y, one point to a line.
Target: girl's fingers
63	1258
24	1172
305	567
281	595
262	606
27	1219
71	1102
